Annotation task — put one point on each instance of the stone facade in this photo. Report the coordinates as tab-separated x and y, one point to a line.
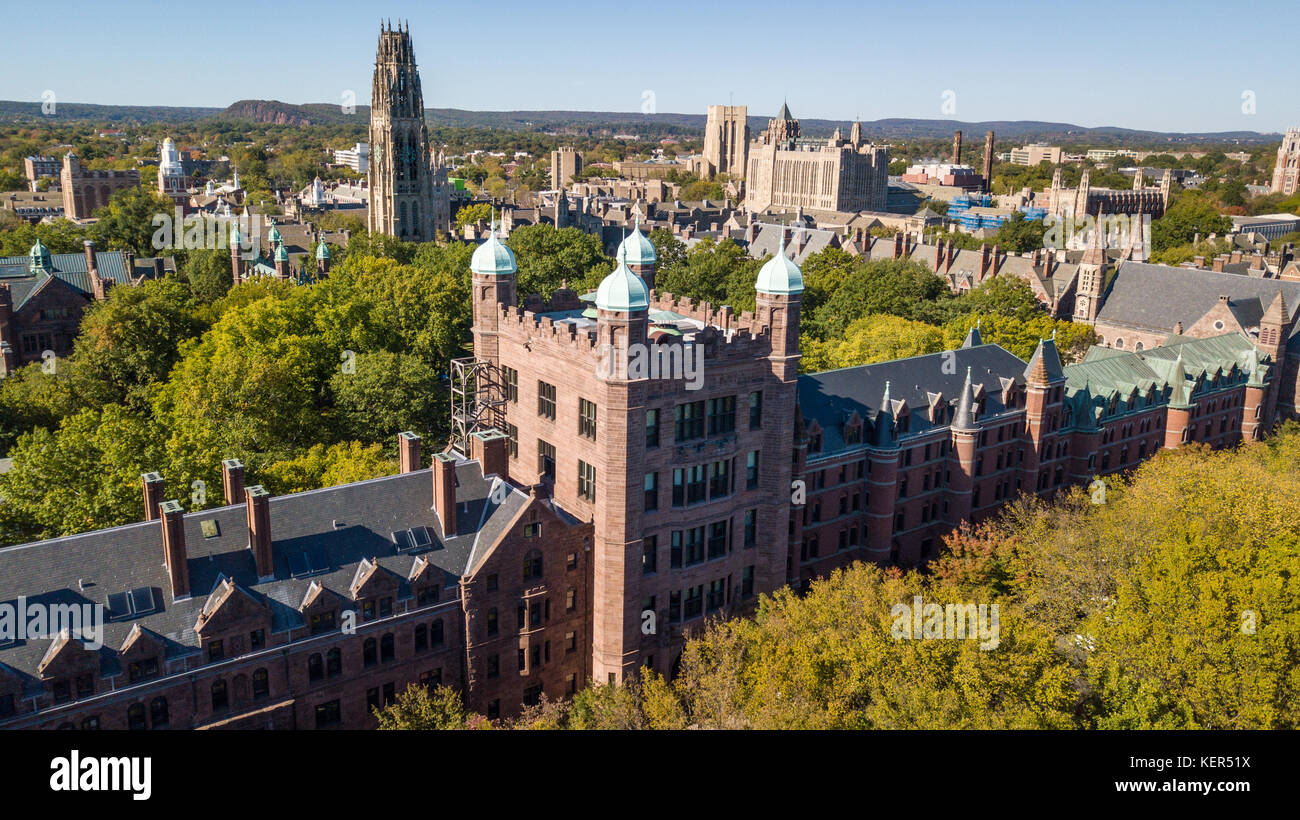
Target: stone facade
409	194
835	174
726	141
84	190
1286	173
565	163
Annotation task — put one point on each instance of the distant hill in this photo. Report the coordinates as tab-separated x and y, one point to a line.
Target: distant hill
14	111
614	122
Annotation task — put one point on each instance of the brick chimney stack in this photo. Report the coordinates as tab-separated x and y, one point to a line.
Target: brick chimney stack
491	449
173	538
956	148
408	451
153	494
898	245
444	491
259	529
232	480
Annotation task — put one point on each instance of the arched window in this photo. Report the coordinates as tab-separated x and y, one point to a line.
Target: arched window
220	699
261	683
333	662
158	711
421	637
533	565
90	722
135	716
415	216
401	210
369	653
386	648
435	633
315	670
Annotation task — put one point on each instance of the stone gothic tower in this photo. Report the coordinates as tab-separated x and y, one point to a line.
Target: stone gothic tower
402	170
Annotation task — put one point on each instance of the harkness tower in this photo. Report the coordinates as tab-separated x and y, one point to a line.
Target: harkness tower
408	191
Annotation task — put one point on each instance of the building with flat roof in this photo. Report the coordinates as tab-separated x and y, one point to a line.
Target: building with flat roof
786	169
1035	154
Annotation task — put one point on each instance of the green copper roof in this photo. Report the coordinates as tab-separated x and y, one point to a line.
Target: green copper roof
622	290
780	276
493	257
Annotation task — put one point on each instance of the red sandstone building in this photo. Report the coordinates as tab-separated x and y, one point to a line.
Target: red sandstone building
588	515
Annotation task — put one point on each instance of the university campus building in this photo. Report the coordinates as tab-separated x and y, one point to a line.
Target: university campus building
588	515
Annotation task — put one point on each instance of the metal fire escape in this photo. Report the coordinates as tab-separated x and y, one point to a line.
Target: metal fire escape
478	400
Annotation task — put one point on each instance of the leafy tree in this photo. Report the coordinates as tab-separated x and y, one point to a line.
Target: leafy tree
386	393
130	342
328	466
1019	235
547	257
873	338
126	223
472	214
208	274
418	708
898	287
83	476
1191	213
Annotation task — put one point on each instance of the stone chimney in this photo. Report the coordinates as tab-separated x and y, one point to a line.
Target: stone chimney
898	245
173	538
984	261
259	529
232	480
408	452
153	494
444	492
491	448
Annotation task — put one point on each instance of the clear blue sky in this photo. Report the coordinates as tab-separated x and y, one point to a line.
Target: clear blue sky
1176	66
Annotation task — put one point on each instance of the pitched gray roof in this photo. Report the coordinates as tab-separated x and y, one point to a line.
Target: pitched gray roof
1156	297
337	527
831	397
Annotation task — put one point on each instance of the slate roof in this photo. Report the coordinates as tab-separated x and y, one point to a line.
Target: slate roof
831	397
68	267
1157	297
336	527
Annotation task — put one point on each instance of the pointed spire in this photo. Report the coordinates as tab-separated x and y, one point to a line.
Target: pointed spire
885	420
1045	365
964	419
1180	395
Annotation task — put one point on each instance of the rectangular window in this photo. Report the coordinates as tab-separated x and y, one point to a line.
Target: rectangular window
674	607
652	428
719	479
546	400
651	491
722	415
586	481
751	527
649	554
512	432
751	470
587	419
755	409
689	421
717	539
328	714
675	555
546	460
510	377
693	545
716	596
747	582
688	485
693	606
